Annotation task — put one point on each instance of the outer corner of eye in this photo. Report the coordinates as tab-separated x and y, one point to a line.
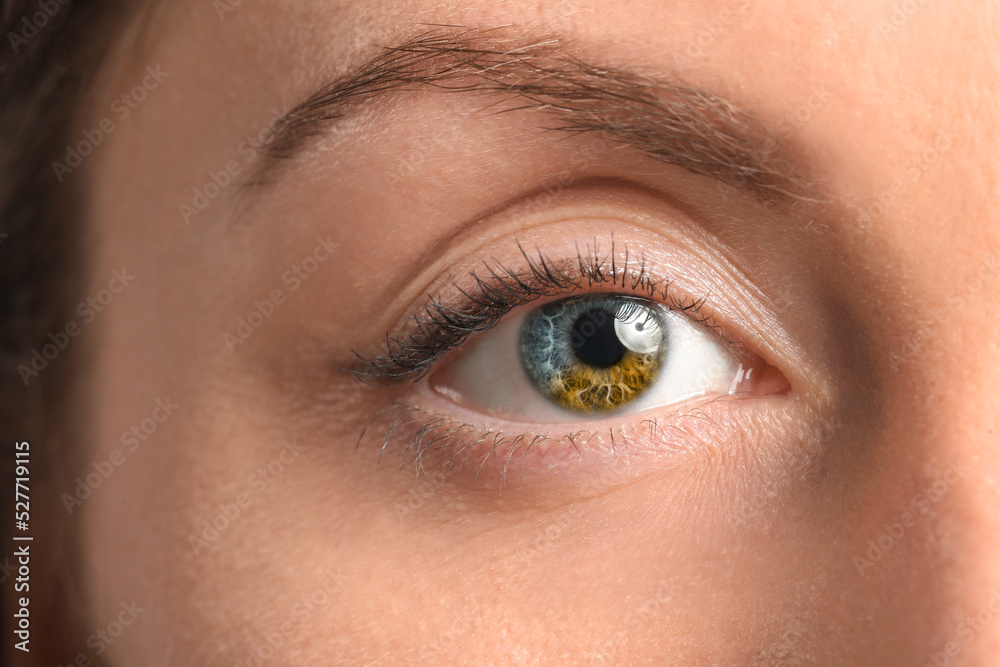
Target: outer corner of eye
597	355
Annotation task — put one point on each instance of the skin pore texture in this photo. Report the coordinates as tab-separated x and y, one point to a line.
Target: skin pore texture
847	513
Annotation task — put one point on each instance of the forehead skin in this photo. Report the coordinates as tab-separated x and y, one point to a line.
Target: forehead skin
895	112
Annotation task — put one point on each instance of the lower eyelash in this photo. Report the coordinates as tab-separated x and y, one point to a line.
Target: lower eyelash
416	435
442	327
429	432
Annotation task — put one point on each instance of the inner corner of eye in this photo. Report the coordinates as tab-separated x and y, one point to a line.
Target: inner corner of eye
596	355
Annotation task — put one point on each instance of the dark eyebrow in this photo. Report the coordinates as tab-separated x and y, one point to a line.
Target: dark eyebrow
666	120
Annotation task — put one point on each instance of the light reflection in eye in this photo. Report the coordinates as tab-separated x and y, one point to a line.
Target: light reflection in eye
592	356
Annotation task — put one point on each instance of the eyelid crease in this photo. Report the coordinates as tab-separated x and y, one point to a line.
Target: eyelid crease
441	327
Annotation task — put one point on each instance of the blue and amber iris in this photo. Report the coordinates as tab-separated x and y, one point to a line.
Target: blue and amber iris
595	353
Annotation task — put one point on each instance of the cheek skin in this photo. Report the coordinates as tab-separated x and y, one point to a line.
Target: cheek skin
509	575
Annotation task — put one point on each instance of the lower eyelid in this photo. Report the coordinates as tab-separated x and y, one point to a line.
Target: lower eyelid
502	455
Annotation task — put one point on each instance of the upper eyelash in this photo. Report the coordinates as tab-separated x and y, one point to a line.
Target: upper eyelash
441	328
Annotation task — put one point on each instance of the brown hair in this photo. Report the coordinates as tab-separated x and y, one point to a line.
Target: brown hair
52	50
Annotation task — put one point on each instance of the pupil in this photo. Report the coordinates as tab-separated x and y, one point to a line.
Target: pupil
594	339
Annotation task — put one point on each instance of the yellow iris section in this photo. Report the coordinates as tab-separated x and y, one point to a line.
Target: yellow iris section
588	389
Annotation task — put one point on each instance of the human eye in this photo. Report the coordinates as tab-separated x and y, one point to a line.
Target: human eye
553	359
586	356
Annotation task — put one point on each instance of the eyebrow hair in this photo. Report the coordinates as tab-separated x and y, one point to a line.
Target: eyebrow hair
666	120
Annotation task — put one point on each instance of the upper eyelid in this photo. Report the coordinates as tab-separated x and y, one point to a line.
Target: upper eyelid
409	356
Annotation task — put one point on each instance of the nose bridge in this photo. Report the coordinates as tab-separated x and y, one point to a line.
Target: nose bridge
973	515
947	422
927	524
